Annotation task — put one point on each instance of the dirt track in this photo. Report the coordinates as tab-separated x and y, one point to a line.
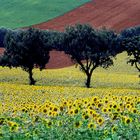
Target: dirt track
114	14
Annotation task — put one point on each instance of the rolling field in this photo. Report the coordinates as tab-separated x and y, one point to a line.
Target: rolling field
18	13
60	107
117	15
121	75
112	14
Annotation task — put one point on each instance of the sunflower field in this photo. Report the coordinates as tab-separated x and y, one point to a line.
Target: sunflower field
68	113
66	110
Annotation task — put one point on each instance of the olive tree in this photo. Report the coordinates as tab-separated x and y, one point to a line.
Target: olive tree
3	32
26	49
89	48
130	42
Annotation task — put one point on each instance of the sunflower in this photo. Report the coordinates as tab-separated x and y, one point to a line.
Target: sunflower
49	124
1	135
127	120
110	105
114	116
59	123
85	116
69	106
85	102
106	101
121	104
99	105
54	114
109	110
134	110
74	105
50	113
91	125
94	115
77	124
51	108
106	132
104	110
114	129
44	110
128	106
115	106
90	107
90	112
24	110
76	111
132	104
2	120
27	134
14	127
100	120
71	112
95	99
65	103
55	109
118	109
61	108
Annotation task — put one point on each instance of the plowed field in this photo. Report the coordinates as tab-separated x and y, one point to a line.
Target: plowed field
115	14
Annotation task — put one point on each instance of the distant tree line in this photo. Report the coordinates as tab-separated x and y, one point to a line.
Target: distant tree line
88	47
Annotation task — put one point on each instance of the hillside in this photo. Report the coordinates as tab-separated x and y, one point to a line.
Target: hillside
118	14
121	75
114	14
20	13
61	102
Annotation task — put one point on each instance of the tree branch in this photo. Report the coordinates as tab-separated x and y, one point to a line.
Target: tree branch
137	66
82	65
93	68
87	64
90	64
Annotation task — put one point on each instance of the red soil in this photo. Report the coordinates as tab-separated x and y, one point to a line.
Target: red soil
114	14
57	60
1	51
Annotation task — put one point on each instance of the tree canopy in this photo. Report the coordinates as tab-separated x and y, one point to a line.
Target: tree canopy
89	48
26	49
3	32
130	41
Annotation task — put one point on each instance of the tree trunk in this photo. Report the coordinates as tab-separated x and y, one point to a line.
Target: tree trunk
32	81
88	80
